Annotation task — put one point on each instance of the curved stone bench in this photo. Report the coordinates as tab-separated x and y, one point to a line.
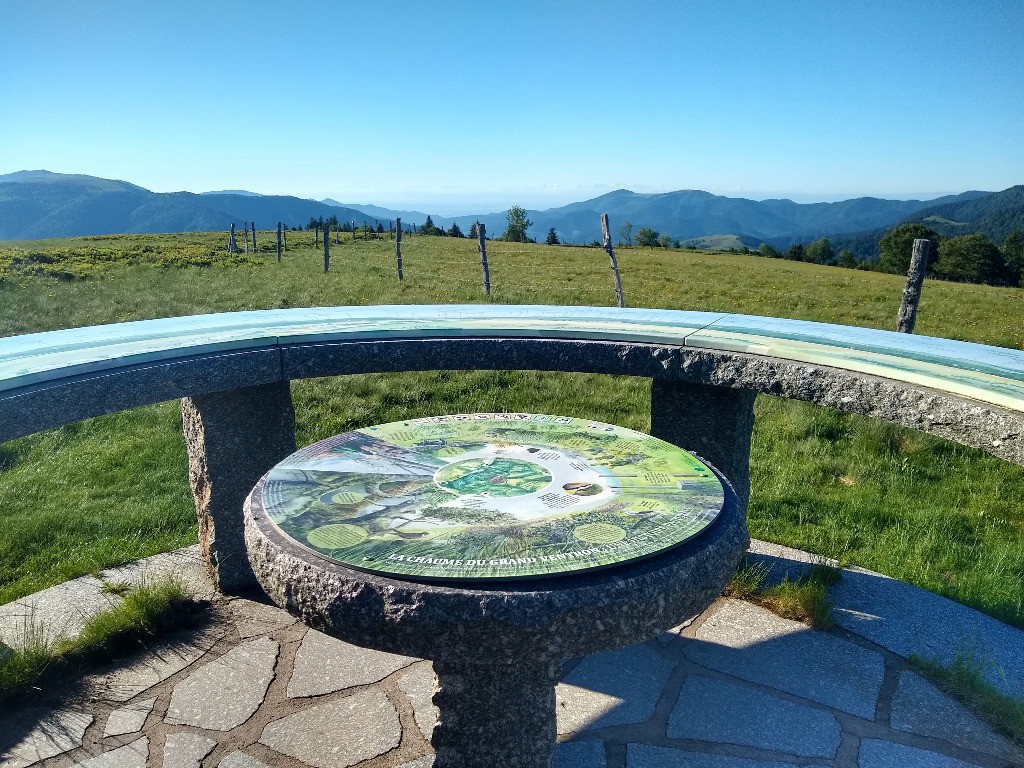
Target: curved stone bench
234	369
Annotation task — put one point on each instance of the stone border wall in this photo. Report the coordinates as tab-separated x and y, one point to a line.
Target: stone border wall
992	429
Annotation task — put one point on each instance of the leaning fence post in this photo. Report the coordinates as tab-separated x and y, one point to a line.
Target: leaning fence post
253	223
912	291
327	246
482	240
279	242
398	249
232	245
606	234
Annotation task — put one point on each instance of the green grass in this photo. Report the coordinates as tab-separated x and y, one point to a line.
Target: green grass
106	490
964	681
146	612
805	599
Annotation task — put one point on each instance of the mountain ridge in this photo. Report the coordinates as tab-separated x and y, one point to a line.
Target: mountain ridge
38	204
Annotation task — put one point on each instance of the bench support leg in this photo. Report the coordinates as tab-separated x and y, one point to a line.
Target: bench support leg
715	423
233	438
493	715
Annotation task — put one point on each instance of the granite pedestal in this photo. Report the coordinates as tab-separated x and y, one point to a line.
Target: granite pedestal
496	648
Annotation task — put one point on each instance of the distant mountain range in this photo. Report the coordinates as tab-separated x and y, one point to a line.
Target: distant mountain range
39	204
993	214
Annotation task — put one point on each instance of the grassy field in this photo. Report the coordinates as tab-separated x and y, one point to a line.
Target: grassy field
102	491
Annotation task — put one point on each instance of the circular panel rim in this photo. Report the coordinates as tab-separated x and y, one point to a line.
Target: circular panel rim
655	497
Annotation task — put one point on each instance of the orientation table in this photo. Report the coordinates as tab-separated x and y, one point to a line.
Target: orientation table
496	545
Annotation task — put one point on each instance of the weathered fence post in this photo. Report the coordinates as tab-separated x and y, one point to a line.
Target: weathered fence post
482	240
279	242
607	236
285	233
245	231
232	245
912	291
327	246
316	235
398	249
353	230
253	223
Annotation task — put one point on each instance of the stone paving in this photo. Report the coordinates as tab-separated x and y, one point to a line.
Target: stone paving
736	688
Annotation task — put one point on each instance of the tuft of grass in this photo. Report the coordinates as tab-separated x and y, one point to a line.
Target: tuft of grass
20	668
120	588
146	612
805	599
963	680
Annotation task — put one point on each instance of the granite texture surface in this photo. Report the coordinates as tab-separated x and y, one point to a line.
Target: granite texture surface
232	439
536	619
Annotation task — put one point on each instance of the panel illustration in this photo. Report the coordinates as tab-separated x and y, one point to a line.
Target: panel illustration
491	496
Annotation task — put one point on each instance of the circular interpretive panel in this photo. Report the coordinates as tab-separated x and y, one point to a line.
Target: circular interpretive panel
488	496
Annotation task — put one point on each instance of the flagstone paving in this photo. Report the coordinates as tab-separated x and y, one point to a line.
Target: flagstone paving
737	688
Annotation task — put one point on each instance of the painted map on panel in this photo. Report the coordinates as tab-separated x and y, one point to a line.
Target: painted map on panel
491	496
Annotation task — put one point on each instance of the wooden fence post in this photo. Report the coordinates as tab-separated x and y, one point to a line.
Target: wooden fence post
398	249
327	246
353	230
285	233
279	242
912	291
253	236
245	230
316	235
232	245
606	234
482	241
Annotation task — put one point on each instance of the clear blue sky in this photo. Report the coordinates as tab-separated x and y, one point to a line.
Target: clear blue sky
471	106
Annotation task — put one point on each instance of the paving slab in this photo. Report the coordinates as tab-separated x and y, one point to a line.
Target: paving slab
418	684
118	682
134	755
48	734
253	619
612	688
224	693
128	719
875	753
186	750
751	643
580	754
339	733
920	708
729	713
325	664
646	756
908	620
241	760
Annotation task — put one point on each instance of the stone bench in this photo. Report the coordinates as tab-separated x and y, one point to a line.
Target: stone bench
233	371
